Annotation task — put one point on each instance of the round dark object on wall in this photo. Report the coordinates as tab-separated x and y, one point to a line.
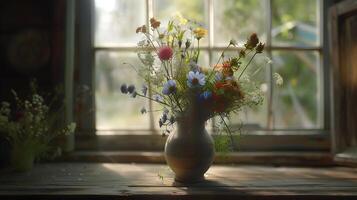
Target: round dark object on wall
29	50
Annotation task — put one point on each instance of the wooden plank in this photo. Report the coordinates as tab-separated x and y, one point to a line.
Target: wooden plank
261	158
294	140
141	181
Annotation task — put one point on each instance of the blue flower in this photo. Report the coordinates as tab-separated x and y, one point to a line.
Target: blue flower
206	95
131	89
196	79
219	76
169	87
124	88
158	98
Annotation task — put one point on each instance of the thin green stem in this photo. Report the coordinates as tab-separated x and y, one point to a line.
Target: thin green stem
198	50
228	130
163	103
178	103
247	65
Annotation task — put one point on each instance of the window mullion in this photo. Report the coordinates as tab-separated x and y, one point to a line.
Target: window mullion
149	14
270	117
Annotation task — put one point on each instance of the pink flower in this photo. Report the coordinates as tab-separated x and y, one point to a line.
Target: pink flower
165	53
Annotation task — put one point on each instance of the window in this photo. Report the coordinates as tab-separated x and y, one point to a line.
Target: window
292	30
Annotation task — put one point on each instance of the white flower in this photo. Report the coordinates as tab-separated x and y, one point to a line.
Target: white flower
169	87
264	87
278	79
196	79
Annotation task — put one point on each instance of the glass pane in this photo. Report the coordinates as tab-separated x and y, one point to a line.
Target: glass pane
195	10
115	110
296	102
295	22
255	117
237	19
117	20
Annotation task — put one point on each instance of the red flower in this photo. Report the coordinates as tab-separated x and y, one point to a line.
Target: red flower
165	53
219	85
218	103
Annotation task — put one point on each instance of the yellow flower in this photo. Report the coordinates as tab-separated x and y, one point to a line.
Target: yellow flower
169	39
182	21
200	32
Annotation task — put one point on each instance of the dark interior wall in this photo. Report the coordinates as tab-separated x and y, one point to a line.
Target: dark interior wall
32	39
31	43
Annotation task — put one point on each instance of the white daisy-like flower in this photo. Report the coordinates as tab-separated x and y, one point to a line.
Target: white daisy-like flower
196	79
169	87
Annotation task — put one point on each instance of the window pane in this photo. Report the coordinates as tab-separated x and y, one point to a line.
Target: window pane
195	10
295	22
256	117
115	110
117	20
296	102
237	19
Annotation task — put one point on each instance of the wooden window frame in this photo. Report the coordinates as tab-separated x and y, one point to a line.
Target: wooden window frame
345	151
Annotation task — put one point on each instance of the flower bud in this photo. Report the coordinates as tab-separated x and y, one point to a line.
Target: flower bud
131	89
187	44
260	47
252	41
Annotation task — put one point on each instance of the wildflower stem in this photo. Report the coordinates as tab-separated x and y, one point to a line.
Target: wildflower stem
228	130
163	103
167	71
219	59
198	50
247	65
178	103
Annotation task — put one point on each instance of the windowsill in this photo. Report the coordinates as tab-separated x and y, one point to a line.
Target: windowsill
256	158
141	181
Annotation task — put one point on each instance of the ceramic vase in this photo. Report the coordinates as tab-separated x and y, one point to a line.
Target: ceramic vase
189	150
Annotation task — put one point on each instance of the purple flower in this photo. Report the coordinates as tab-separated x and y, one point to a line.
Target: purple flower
169	87
158	98
124	88
195	79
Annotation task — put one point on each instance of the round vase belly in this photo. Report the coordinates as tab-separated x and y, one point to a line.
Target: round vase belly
189	151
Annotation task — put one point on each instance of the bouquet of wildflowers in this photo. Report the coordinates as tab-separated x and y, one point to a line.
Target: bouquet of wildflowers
178	82
32	125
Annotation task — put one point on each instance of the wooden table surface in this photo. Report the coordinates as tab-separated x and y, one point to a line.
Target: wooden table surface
142	181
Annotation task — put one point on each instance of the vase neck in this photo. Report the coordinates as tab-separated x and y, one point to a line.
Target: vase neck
190	125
